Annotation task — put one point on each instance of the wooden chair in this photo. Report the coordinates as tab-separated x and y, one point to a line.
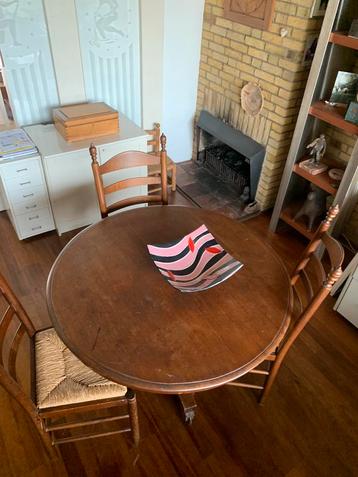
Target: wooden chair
310	286
126	160
154	145
51	384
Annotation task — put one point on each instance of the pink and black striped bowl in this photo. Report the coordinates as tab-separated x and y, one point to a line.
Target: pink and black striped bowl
194	263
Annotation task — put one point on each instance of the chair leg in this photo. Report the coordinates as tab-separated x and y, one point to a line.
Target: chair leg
52	451
271	378
174	178
133	416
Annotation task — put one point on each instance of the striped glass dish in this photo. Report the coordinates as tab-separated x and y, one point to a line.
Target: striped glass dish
194	263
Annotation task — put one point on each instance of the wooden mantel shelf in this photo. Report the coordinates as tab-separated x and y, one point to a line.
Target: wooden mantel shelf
342	39
333	115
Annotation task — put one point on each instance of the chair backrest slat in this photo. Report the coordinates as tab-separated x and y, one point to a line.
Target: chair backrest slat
133	182
134	201
4	326
21	330
127	160
154	142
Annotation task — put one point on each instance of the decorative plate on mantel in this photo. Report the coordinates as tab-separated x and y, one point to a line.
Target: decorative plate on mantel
251	99
194	263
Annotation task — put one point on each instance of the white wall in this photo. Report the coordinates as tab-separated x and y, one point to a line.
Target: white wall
65	46
152	25
183	22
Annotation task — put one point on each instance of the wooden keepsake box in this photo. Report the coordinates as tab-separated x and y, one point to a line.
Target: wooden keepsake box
82	121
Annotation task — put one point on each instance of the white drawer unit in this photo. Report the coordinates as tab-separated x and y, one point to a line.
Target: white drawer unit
68	172
30	169
27	203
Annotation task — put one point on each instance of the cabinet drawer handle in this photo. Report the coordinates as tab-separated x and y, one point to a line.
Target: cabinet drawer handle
29	207
22	170
34	217
28	195
36	228
25	183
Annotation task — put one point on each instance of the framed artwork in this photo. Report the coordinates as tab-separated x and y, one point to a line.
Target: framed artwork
345	88
353	31
310	49
253	13
319	8
352	113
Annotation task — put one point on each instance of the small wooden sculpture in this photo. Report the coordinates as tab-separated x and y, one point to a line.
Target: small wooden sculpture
314	206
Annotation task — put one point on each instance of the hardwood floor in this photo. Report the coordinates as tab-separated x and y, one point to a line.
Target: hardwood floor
308	426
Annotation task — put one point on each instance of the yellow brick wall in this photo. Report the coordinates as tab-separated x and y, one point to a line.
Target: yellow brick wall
233	54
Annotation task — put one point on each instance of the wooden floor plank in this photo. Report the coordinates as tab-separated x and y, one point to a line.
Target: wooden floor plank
307	427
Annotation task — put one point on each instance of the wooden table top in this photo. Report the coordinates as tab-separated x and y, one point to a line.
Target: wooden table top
115	311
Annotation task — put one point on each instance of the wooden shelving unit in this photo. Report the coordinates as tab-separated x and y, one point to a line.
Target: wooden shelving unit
335	51
320	180
342	39
333	115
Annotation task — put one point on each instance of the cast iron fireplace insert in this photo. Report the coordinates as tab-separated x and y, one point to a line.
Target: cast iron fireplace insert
247	148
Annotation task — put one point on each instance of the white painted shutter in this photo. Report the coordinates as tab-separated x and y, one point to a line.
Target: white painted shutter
110	47
27	59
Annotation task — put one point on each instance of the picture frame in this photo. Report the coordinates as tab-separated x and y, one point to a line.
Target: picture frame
352	113
353	31
253	13
319	8
345	88
310	49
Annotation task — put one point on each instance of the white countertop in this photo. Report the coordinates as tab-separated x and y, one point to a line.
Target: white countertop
50	142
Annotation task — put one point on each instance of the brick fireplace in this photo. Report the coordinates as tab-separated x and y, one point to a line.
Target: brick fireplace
233	55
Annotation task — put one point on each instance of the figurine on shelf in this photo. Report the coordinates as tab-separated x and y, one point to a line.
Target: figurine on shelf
318	149
314	206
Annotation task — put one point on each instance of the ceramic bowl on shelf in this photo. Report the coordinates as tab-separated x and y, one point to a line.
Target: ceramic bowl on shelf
336	174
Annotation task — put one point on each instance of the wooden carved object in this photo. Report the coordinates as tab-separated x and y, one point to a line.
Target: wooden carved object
253	13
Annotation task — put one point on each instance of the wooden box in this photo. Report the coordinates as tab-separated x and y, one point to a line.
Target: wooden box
82	121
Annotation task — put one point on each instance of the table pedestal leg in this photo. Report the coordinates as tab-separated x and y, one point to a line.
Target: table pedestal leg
189	405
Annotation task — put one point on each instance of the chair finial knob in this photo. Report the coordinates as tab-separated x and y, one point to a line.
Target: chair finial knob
331	215
93	153
332	277
163	142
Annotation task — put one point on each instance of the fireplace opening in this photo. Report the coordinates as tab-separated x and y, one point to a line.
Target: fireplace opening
228	165
230	154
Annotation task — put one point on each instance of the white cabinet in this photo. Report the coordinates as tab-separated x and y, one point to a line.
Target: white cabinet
73	196
25	195
68	171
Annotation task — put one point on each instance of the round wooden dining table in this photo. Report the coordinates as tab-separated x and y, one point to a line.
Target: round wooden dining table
116	312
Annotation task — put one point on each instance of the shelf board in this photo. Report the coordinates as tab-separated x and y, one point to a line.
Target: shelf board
333	115
287	215
342	39
321	180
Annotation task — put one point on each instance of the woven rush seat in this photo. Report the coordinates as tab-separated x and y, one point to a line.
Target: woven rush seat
63	379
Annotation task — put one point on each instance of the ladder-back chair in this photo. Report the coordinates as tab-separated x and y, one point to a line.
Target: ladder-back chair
311	284
52	385
154	146
126	160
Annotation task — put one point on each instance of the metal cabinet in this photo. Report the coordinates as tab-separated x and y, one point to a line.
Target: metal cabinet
25	195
